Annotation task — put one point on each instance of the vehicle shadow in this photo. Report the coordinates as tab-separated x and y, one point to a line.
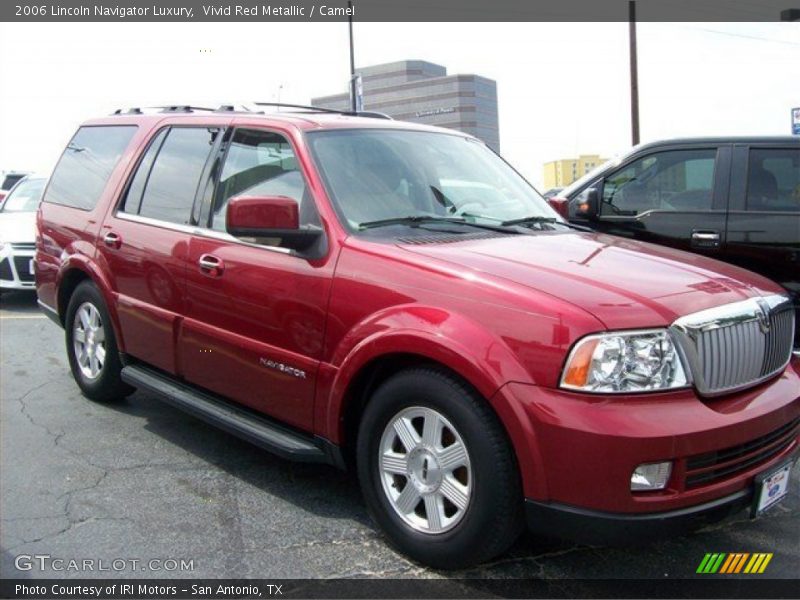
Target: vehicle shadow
319	489
19	302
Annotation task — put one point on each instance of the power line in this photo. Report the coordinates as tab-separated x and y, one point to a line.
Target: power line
742	35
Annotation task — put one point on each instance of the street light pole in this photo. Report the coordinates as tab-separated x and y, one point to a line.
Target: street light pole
634	73
353	105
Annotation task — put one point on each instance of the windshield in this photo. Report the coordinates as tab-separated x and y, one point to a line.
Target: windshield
24	197
379	174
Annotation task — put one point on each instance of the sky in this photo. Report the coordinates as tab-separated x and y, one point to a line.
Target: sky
563	88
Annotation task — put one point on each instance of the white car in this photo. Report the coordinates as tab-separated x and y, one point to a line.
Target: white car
18	234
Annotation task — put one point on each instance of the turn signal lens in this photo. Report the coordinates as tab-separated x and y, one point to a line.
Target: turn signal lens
577	373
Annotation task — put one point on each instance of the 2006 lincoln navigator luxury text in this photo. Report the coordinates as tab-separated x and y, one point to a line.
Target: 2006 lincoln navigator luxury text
358	291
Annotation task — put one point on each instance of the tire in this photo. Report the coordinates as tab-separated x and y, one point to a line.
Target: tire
463	533
96	372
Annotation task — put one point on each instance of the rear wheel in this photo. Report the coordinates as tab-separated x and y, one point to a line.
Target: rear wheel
437	471
91	346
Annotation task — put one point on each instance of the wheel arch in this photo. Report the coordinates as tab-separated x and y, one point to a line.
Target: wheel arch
71	274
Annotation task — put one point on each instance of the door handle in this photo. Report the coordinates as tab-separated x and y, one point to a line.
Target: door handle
211	265
112	240
705	239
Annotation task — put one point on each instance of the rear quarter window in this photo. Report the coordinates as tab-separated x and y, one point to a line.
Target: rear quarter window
86	165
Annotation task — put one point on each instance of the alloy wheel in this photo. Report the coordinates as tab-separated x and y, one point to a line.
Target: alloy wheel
425	470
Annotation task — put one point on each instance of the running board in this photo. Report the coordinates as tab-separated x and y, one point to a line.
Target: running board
238	421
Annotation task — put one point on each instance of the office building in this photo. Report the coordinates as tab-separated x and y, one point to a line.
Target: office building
423	92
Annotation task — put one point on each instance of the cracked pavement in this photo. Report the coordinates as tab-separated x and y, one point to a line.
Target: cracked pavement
140	480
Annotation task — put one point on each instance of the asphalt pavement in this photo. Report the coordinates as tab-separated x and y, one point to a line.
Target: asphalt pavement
141	482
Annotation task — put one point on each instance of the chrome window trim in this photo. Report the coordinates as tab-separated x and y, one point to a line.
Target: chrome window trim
200	231
686	330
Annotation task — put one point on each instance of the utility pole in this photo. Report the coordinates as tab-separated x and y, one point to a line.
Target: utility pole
634	73
353	79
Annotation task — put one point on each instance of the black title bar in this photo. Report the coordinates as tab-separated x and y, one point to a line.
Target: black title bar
397	10
204	589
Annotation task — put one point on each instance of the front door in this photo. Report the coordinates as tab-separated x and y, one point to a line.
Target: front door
672	197
256	311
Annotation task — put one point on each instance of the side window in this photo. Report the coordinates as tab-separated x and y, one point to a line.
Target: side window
133	199
773	179
86	165
673	180
260	163
170	188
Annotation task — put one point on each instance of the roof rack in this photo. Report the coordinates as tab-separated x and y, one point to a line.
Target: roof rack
231	108
351	113
181	108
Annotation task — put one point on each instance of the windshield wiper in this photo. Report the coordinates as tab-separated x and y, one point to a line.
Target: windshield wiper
416	220
409	220
527	220
540	219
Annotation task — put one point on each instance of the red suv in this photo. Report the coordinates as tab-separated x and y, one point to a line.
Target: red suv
355	290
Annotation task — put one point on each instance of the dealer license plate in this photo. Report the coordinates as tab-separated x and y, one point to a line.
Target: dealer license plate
771	487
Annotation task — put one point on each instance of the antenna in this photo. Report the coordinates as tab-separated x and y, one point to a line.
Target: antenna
350	113
303	106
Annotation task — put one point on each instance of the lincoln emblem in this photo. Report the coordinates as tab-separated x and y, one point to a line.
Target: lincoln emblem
762	313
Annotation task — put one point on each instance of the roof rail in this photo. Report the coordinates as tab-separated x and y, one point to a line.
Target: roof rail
371	114
231	108
182	108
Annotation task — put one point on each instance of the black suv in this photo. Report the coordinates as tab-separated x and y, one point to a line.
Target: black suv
734	199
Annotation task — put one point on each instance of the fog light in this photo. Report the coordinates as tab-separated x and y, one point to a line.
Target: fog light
651	476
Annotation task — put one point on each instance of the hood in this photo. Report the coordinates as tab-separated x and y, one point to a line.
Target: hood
18	227
625	284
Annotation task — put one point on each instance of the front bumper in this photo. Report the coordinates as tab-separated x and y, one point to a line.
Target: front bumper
16	271
577	452
597	527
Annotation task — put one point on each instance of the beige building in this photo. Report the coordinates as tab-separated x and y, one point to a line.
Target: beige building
560	173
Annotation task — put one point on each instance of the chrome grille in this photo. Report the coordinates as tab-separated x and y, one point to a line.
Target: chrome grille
736	345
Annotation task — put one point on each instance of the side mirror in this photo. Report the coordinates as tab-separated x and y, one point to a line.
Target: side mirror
269	217
587	205
560	205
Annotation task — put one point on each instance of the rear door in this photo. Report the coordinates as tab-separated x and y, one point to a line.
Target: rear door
674	196
146	240
255	310
764	219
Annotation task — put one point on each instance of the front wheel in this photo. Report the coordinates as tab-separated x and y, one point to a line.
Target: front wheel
91	346
437	470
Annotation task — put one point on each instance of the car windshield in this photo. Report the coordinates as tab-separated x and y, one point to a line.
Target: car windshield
24	197
379	175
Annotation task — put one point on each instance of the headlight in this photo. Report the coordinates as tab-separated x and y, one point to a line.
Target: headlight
620	362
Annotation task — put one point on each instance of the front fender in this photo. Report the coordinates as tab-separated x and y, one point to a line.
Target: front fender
455	341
